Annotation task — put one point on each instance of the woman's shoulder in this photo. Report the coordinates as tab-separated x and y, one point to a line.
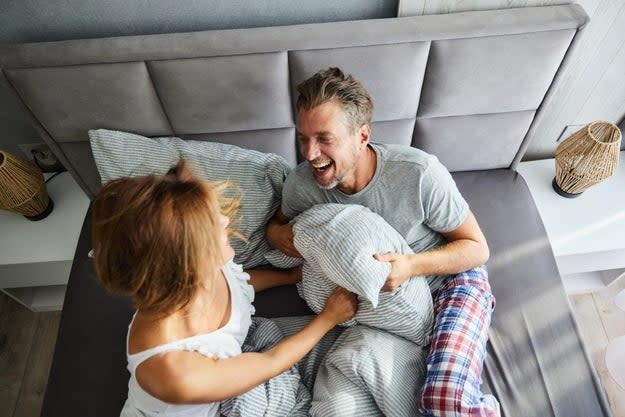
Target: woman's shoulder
166	376
145	334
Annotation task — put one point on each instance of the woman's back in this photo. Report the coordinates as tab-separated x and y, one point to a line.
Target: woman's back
222	343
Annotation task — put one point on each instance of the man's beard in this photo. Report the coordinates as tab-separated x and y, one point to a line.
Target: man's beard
330	186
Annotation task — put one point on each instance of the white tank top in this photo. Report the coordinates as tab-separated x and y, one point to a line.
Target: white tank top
224	342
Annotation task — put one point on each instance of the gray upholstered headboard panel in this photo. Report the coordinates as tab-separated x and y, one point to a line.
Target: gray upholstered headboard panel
465	87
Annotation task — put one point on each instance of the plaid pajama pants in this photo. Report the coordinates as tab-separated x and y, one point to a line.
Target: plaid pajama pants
462	306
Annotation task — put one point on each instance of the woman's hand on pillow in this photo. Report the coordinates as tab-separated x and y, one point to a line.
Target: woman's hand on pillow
341	306
401	269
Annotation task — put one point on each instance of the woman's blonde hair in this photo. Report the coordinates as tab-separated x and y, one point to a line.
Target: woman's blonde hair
157	238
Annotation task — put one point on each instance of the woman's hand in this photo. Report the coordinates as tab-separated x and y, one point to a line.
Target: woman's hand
341	306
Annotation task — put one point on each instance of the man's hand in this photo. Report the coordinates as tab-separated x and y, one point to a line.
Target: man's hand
400	269
280	234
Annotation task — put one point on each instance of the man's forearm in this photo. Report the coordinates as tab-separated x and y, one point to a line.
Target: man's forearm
280	235
262	279
452	258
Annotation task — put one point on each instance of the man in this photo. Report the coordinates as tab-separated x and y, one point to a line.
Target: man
416	195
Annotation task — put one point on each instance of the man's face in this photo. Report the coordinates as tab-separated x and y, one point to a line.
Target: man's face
331	149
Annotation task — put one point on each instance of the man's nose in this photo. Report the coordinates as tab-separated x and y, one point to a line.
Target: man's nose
310	150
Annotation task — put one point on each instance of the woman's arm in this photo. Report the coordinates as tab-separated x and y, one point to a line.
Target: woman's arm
190	378
262	279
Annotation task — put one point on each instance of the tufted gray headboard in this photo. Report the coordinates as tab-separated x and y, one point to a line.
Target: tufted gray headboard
466	86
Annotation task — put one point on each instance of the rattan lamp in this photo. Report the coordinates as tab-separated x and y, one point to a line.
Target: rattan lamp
22	188
586	158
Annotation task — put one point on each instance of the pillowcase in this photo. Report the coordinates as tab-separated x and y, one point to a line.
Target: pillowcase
337	243
259	176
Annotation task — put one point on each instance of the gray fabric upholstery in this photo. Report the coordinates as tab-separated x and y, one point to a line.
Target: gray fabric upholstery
494	136
461	70
536	363
278	141
221	94
467	87
393	72
68	101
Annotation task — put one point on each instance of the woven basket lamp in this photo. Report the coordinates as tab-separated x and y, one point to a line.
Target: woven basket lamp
22	188
586	158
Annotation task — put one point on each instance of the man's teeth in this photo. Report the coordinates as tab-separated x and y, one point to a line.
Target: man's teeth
321	165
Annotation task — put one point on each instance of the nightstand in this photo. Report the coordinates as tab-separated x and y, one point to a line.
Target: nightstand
36	257
587	233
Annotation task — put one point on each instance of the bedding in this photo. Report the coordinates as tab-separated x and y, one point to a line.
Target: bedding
361	371
370	372
442	83
283	395
337	243
259	175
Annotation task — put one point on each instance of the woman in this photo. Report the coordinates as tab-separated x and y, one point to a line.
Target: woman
163	240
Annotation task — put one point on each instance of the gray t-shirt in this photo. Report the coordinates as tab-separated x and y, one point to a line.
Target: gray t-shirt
410	189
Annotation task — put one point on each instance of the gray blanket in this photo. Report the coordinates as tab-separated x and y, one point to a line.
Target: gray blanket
359	371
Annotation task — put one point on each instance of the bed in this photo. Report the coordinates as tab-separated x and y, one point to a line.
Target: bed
467	87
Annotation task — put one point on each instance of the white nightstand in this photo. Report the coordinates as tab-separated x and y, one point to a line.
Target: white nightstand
36	257
587	233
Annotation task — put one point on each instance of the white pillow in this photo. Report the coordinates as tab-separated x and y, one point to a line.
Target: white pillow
337	243
259	175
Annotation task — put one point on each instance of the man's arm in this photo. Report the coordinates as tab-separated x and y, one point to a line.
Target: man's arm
280	234
466	249
262	279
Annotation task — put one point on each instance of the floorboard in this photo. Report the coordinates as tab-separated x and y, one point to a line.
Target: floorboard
600	321
35	380
17	330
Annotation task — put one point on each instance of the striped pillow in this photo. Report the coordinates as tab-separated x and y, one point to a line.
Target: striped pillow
369	372
338	242
259	175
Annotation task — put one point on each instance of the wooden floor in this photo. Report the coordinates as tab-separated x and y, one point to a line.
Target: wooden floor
600	321
27	343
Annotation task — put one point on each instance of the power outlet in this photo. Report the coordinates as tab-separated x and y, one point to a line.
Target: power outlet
42	156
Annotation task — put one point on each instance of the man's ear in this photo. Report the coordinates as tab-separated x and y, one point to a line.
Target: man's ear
365	133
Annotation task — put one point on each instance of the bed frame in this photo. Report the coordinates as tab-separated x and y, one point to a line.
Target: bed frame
467	87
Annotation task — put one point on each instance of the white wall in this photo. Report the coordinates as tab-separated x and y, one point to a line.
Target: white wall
593	86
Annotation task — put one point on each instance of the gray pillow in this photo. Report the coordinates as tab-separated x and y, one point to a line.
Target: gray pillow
337	243
259	176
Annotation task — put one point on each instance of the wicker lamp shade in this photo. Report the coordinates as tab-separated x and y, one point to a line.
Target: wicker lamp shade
22	188
586	158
